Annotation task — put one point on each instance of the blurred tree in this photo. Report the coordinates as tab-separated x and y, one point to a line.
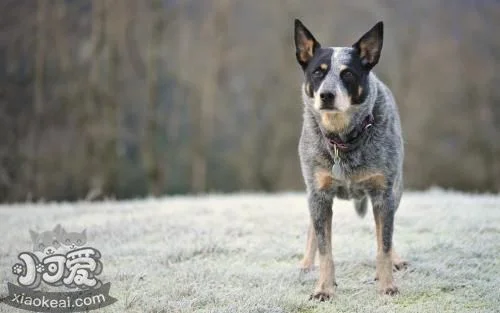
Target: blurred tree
153	156
126	98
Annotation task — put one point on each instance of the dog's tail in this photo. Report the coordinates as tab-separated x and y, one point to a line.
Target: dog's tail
361	206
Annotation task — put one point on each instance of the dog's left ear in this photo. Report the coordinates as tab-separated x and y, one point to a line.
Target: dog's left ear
305	44
369	46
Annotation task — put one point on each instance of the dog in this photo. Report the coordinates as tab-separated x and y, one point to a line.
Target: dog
350	147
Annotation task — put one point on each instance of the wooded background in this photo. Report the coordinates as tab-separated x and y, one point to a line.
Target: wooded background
126	98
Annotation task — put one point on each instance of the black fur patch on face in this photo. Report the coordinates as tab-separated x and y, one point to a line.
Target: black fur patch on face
317	69
354	76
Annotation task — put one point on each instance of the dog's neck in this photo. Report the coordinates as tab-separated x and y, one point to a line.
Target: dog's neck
351	139
355	134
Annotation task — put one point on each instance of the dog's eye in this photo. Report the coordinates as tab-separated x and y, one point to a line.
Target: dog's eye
318	72
348	77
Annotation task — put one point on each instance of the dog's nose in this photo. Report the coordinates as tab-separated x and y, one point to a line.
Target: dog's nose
326	100
326	96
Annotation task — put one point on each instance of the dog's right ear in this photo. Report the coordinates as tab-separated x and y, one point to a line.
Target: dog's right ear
305	44
370	46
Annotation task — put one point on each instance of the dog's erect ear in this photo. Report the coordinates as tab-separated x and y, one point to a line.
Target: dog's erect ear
305	44
370	46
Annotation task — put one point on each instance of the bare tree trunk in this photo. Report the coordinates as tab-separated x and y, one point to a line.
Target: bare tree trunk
94	183
114	20
40	52
216	30
61	41
152	156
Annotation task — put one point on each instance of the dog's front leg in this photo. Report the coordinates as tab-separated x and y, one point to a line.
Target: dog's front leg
320	207
307	262
383	212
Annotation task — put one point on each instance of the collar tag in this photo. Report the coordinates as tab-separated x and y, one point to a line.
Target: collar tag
337	171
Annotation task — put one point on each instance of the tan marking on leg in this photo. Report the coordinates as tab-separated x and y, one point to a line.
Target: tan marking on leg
307	262
325	287
375	180
384	272
378	233
335	121
378	230
384	262
324	179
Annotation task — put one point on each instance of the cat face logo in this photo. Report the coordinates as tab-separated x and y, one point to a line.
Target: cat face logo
57	240
72	240
46	242
59	257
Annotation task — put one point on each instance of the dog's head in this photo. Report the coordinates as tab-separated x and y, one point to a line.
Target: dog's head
337	85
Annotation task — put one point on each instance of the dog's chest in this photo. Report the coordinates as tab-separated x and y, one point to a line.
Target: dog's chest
353	183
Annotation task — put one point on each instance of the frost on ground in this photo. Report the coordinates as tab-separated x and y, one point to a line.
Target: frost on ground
239	253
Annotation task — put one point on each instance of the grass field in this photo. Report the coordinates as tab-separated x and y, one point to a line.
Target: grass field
239	253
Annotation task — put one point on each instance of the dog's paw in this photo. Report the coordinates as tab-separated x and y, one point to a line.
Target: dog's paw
324	293
389	289
321	296
399	265
306	266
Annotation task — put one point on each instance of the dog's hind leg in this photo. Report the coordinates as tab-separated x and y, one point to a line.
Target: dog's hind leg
320	207
398	263
383	212
307	262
